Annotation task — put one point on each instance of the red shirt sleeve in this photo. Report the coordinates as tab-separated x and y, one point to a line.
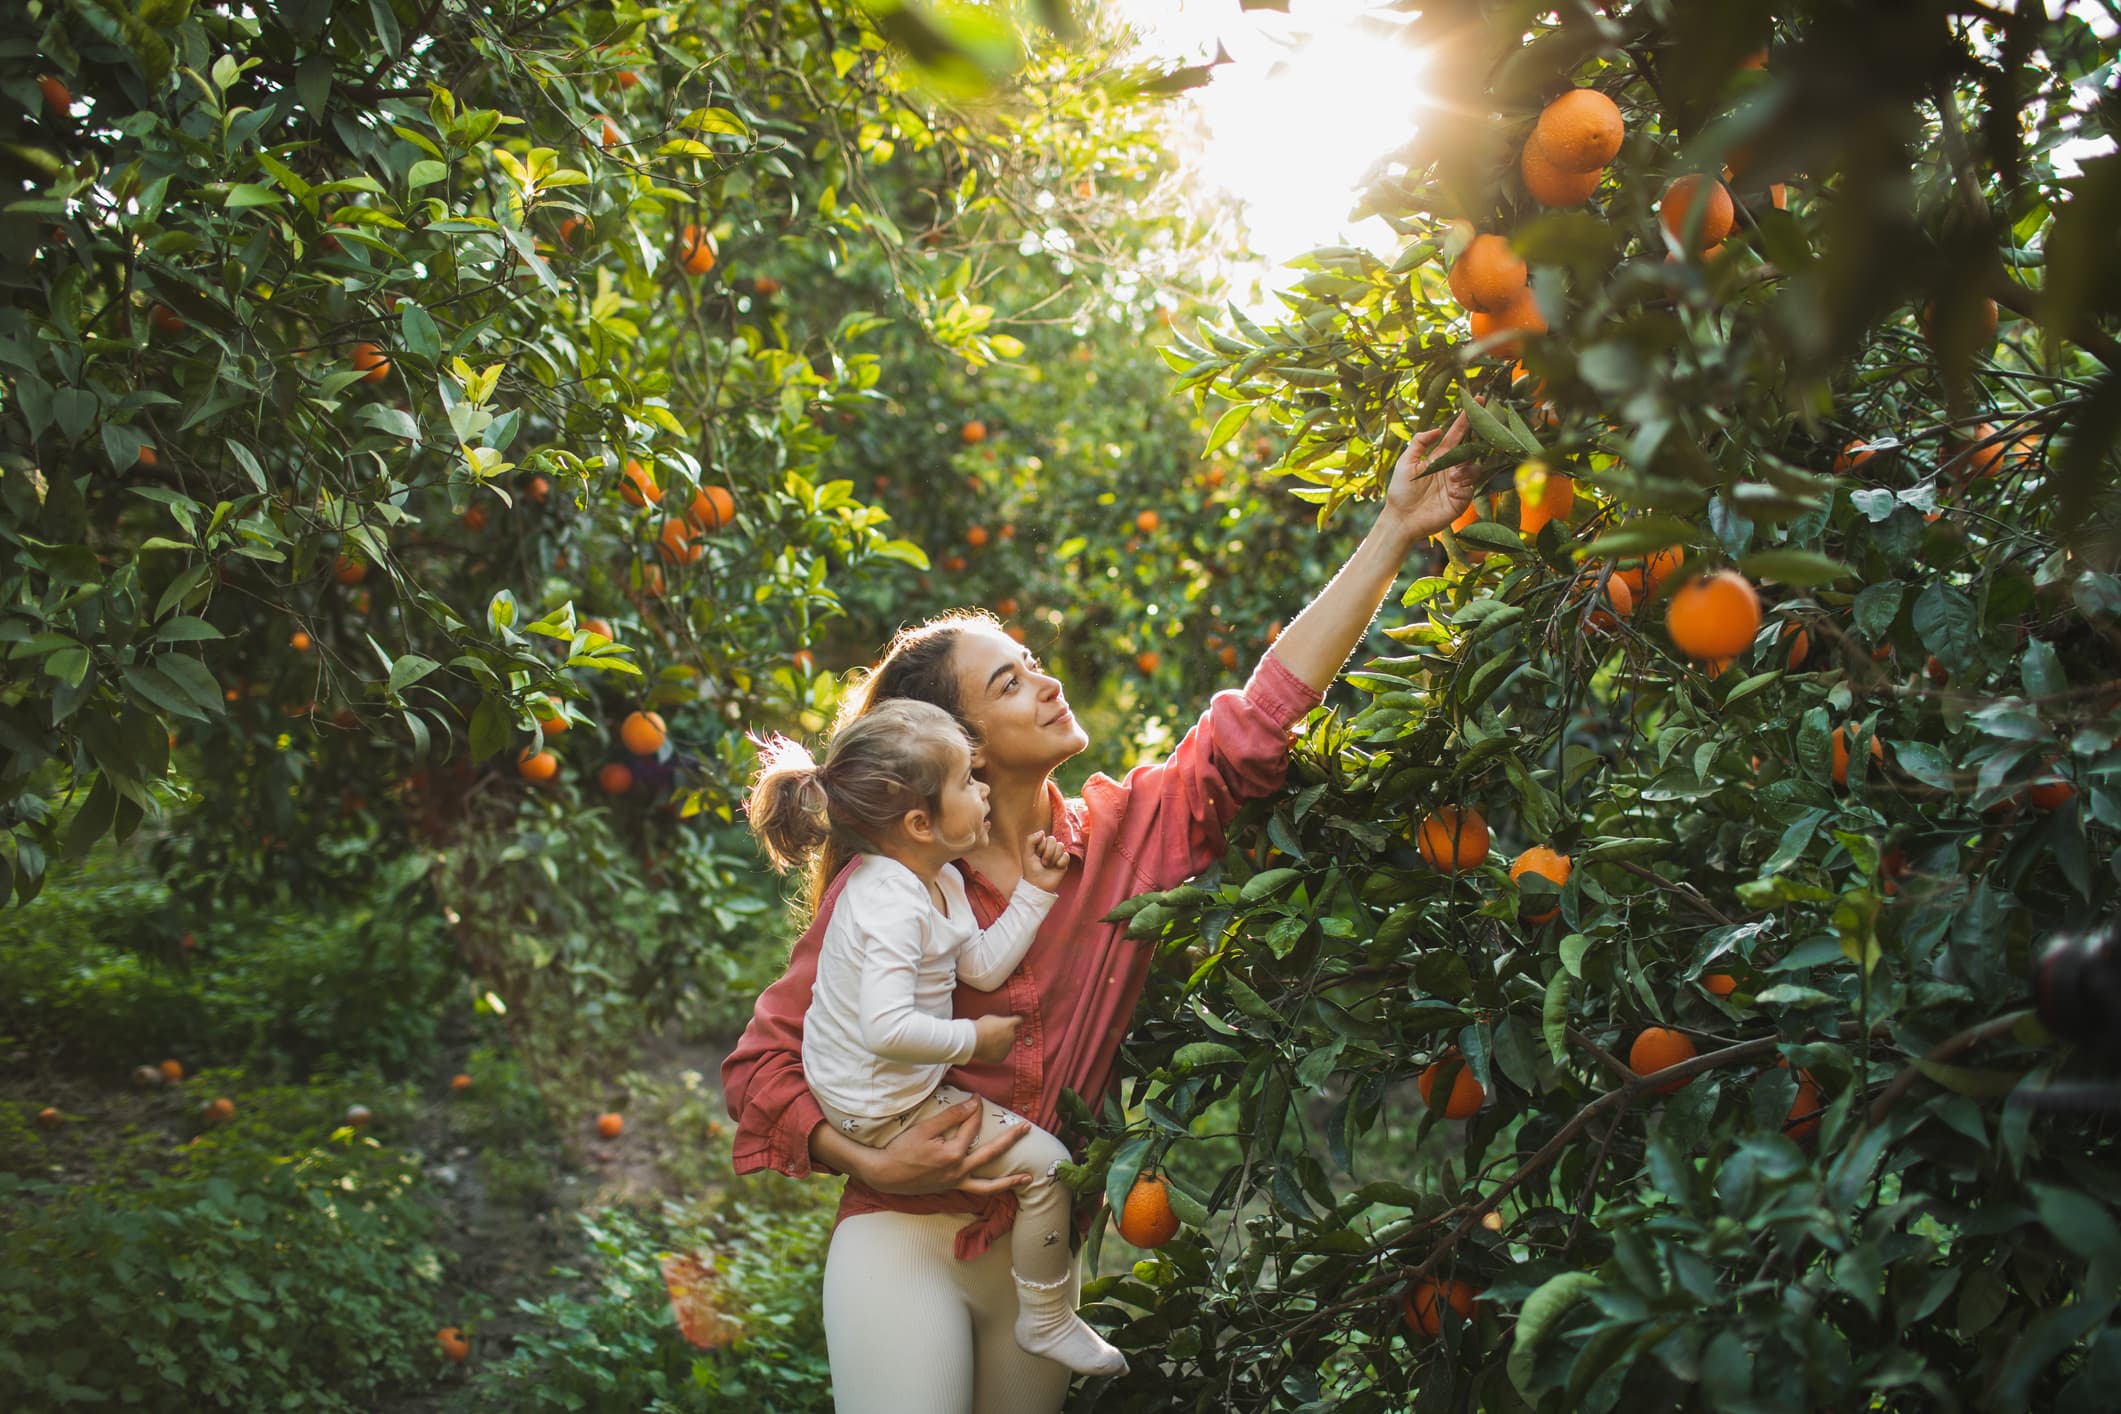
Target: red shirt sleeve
1169	819
762	1080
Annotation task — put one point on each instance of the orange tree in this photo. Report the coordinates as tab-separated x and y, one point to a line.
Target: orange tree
1788	639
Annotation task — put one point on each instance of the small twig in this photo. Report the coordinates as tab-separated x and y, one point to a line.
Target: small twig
1936	1055
1685	891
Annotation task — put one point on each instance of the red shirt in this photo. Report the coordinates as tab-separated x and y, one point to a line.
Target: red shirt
1077	987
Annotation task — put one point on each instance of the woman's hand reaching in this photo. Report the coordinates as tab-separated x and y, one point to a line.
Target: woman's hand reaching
1045	861
1425	501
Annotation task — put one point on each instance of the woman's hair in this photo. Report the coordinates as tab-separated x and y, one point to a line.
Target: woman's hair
919	664
897	756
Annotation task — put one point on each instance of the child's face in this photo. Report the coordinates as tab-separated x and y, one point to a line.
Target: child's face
961	818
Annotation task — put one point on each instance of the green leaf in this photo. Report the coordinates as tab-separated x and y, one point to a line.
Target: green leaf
409	670
1798	567
1541	1315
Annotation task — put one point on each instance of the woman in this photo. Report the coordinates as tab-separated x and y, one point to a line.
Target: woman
918	1301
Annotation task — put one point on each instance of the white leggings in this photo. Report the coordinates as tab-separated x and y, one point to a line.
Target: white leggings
910	1329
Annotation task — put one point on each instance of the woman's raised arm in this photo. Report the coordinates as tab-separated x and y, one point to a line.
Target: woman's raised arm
1418	503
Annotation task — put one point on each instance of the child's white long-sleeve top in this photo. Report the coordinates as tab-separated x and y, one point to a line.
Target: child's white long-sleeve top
879	1034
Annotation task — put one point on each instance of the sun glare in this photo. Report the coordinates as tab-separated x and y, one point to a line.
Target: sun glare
1308	102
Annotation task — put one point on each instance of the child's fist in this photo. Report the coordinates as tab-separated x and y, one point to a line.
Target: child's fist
996	1034
1045	861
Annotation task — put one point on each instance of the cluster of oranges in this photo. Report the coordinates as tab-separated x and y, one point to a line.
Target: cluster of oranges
641	733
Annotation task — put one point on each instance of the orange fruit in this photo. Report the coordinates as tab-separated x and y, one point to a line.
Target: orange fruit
369	359
610	1125
1805	1107
1476	509
1548	185
475	519
1855	454
1549	864
551	720
569	227
2052	795
1676	207
652	581
616	778
348	571
1622	599
954	564
1521	316
637	485
1841	754
453	1345
976	537
676	543
643	733
1542	496
1147	1220
50	1118
804	660
608	134
540	489
598	626
1424	1311
626	78
1147	662
973	432
695	251
165	319
58	99
1466	1095
1006	608
172	1071
1147	521
147	457
765	287
537	766
1580	131
1980	454
1719	984
1453	840
221	1110
460	1083
300	641
1714	615
1016	631
713	508
1227	654
1487	275
1800	645
1657	1048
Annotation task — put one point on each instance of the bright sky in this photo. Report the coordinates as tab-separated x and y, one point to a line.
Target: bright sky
1310	100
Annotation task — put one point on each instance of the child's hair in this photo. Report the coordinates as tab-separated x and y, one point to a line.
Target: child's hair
895	757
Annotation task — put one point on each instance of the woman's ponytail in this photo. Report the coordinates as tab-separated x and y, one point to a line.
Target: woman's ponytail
786	805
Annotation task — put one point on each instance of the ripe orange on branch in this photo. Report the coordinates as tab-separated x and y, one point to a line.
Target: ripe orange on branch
1580	131
615	778
643	733
1549	185
1488	276
695	250
1659	1048
1522	316
1466	1094
1841	755
1714	616
713	507
1676	208
1549	864
453	1345
1147	1220
370	361
1453	840
537	766
1542	496
1425	1303
677	543
637	484
973	432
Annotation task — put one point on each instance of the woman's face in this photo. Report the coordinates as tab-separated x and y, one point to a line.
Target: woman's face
1023	720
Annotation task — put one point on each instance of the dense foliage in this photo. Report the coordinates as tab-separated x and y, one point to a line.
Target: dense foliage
1823	858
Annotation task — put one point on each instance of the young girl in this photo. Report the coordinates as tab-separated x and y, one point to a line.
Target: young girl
897	788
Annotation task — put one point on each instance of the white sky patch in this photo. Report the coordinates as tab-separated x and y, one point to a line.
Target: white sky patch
1310	100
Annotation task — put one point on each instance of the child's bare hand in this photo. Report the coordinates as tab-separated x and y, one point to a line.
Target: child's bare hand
1045	861
996	1035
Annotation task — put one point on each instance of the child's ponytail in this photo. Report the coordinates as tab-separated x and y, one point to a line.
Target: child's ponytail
786	806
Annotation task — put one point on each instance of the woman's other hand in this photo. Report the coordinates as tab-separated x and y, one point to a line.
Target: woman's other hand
940	1154
1423	500
1045	861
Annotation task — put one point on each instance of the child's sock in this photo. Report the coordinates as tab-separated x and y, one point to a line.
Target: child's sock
1046	1324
